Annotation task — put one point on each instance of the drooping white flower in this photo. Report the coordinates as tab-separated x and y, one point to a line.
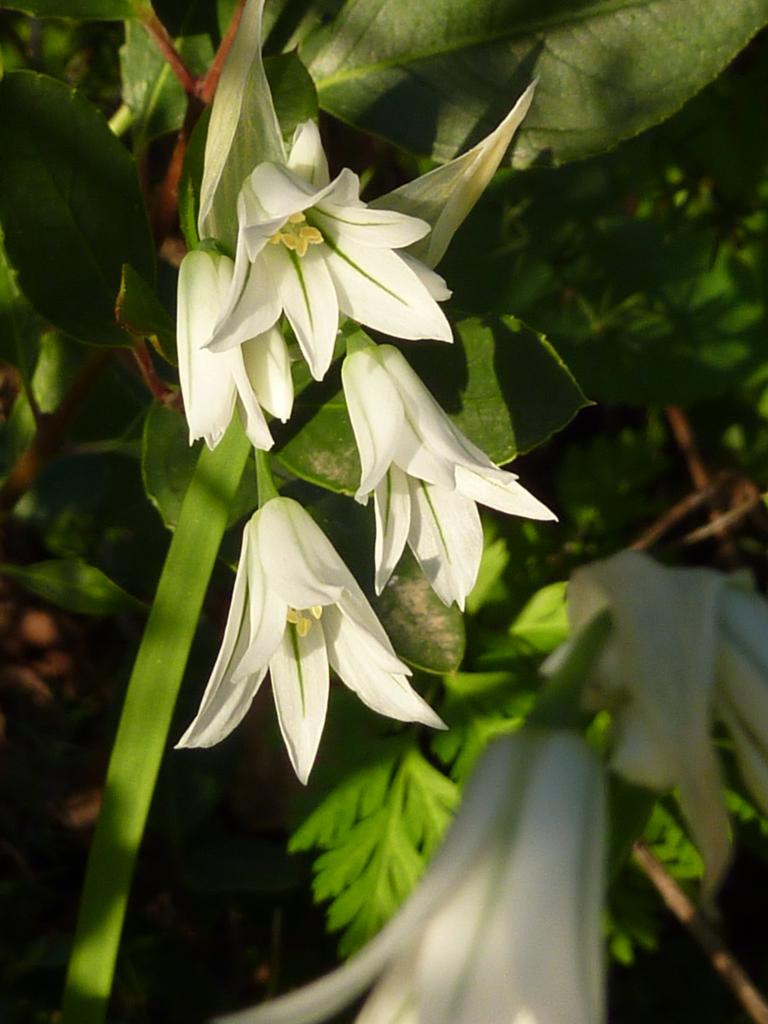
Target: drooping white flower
257	373
505	927
686	646
296	610
310	248
425	475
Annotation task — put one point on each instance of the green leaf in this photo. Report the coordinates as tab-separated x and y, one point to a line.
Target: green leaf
426	633
543	622
503	384
167	464
191	179
167	461
436	78
293	91
151	90
73	584
19	327
80	10
70	206
139	311
378	828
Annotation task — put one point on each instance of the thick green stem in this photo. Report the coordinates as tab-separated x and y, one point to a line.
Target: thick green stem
144	723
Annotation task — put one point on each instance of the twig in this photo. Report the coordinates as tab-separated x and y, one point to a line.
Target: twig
50	433
157	387
720	957
166	201
686	442
164	43
207	86
678	511
724	520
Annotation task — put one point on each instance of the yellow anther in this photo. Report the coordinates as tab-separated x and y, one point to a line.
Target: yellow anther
303	626
316	611
293	616
297	239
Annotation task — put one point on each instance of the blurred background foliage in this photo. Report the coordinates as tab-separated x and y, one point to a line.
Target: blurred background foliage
646	268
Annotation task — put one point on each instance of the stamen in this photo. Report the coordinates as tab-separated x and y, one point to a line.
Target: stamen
316	611
293	616
303	626
297	239
302	621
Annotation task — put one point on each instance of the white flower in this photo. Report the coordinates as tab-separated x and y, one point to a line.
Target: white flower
686	646
296	609
258	372
310	248
505	926
425	475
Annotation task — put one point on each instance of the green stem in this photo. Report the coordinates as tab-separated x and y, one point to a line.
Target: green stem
264	479
144	723
559	703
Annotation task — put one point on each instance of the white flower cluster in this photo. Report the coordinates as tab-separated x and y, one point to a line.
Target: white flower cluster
284	245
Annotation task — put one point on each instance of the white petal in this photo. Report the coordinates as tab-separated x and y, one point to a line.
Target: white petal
445	196
433	282
207	386
500	490
306	293
377	288
376	413
280	192
256	427
752	756
373	673
266	613
301	564
225	703
299	671
519	939
256	310
392	505
362	225
447	539
744	615
268	366
430	422
307	157
394	997
743	683
668	686
242	99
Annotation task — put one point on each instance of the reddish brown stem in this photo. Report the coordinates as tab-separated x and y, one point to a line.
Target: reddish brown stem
720	957
164	43
50	434
157	387
207	86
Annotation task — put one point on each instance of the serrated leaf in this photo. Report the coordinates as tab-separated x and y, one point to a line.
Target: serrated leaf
378	829
503	384
435	79
73	584
139	312
70	206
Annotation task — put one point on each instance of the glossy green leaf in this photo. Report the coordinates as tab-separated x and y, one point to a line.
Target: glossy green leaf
503	384
151	90
426	633
70	206
73	584
293	91
139	311
435	78
191	178
80	10
19	327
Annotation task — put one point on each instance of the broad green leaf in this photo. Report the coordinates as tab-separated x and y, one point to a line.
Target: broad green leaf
151	90
139	311
503	384
435	78
378	828
80	10
293	92
70	206
73	584
19	327
543	622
